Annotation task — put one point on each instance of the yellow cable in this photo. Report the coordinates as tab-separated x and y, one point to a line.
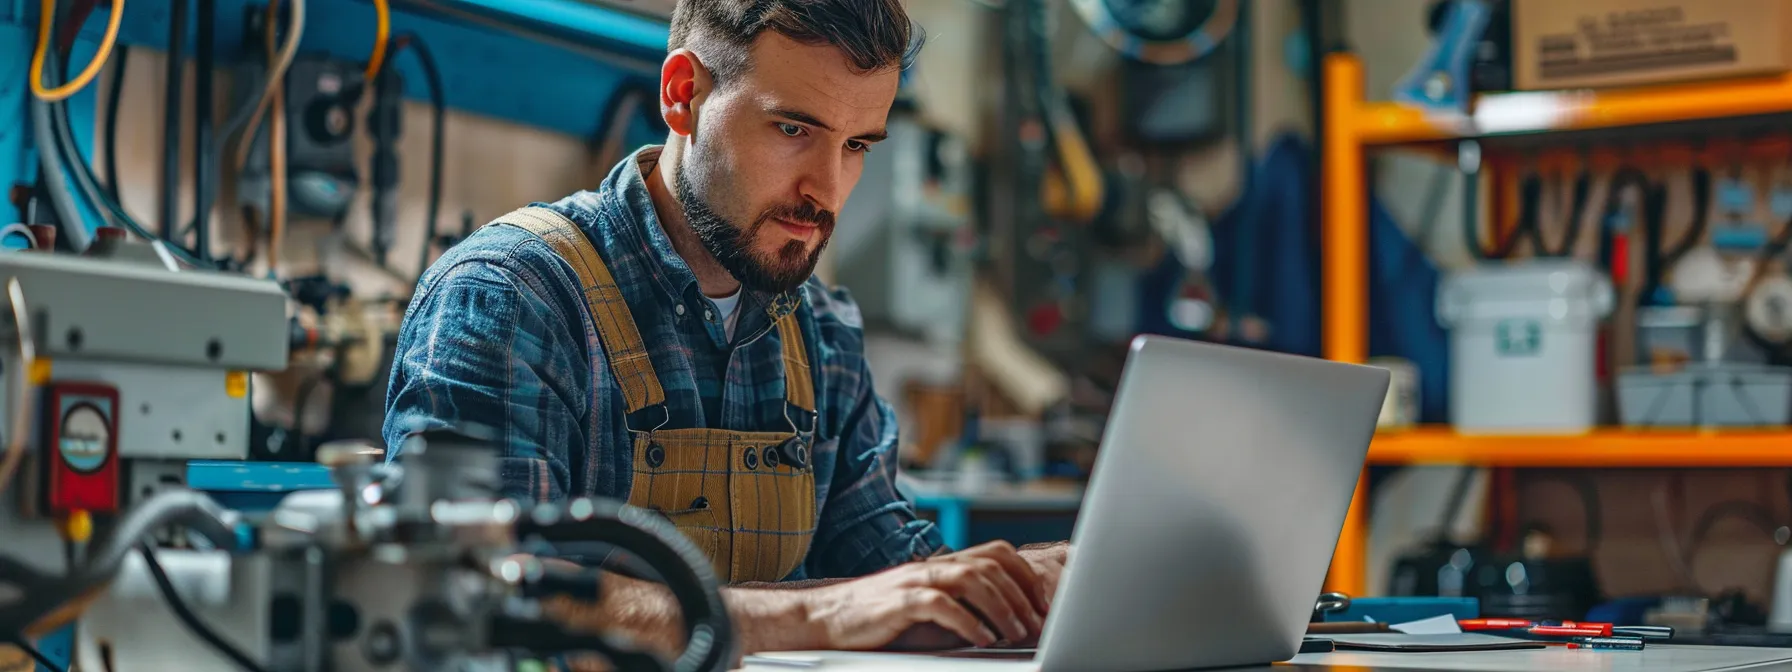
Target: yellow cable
381	9
45	25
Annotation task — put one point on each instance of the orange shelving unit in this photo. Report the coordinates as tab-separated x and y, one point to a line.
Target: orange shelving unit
1604	448
1352	126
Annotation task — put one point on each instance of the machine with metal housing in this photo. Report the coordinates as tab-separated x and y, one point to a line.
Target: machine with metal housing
124	367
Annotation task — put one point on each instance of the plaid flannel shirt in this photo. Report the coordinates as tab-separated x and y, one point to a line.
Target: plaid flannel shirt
498	334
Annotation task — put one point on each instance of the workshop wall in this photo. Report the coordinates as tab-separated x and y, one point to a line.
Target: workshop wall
490	167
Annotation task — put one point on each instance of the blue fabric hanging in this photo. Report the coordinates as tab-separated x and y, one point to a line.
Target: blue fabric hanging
1268	265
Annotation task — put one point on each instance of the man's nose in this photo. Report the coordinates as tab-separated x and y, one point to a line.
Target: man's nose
825	182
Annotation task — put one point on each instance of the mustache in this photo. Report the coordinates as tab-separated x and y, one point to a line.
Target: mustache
803	212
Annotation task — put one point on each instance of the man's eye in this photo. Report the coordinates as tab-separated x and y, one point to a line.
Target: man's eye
856	146
791	130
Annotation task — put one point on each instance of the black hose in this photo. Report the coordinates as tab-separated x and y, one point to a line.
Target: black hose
684	569
171	117
185	613
114	91
1529	209
62	142
204	164
438	103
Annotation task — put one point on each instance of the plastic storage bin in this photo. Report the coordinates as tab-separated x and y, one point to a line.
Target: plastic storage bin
1523	346
1706	395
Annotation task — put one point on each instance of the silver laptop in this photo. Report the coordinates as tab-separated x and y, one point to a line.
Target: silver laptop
1211	517
1213	509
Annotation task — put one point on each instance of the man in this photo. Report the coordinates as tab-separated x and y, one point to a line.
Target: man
661	340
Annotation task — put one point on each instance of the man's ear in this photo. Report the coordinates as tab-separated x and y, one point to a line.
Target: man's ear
682	76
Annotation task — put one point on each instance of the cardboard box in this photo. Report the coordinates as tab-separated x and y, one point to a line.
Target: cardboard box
1564	44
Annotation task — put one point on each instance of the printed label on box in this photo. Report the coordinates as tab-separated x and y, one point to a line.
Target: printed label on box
1638	40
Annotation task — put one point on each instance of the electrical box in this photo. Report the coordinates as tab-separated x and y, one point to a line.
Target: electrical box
904	243
321	95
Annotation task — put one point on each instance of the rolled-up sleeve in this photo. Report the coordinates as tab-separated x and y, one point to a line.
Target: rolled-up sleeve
866	524
482	345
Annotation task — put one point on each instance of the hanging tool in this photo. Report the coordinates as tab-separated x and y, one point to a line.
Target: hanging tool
1626	198
1658	259
1441	81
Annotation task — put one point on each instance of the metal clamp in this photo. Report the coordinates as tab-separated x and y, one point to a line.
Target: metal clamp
1330	602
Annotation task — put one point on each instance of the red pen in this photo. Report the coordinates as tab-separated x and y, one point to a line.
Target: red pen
1553	629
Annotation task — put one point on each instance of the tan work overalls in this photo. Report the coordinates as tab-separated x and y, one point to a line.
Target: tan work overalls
746	498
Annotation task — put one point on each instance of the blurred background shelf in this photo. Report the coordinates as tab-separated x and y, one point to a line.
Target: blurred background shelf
1533	112
1604	448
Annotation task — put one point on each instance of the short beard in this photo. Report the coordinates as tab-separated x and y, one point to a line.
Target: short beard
732	246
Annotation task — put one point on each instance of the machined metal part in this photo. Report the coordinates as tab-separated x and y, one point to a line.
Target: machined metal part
117	310
392	569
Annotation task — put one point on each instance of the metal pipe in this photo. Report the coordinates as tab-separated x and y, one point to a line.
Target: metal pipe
171	118
204	164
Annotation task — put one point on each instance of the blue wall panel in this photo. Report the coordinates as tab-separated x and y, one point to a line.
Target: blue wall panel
487	71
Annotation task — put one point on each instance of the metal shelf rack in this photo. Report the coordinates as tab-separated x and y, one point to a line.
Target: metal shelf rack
1352	126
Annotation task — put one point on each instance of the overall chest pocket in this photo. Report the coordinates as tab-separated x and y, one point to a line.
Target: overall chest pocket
746	498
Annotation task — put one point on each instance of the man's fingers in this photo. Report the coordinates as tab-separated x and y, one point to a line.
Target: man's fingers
1016	596
946	611
1017	567
979	590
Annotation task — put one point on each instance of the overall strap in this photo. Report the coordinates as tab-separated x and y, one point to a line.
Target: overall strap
621	341
799	385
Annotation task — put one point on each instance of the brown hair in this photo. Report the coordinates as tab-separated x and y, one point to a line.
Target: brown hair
872	34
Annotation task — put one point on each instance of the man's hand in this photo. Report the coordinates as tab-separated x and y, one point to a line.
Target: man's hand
984	595
1048	562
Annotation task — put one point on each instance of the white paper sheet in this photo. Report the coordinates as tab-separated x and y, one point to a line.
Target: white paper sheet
1436	625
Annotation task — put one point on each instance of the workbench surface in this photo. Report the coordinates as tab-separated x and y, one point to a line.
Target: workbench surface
1657	658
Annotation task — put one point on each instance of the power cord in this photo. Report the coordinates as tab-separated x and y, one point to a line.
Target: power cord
185	613
46	25
67	156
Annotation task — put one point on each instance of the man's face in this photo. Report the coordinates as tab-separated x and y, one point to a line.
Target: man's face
774	155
